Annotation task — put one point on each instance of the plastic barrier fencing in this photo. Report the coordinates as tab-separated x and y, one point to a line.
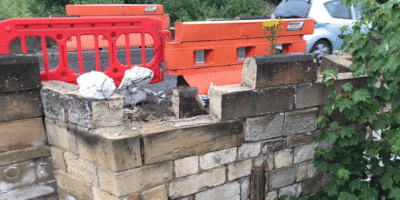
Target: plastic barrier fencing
213	52
90	10
92	30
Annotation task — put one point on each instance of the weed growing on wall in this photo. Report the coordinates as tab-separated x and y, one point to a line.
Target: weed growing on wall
362	166
271	28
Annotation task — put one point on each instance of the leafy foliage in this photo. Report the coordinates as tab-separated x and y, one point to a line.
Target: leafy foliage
243	7
362	166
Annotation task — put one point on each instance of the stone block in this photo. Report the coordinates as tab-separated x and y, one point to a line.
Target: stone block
22	155
335	116
326	178
273	145
19	72
301	121
283	158
305	171
218	158
186	103
266	188
339	63
249	150
113	148
237	101
21	134
63	195
53	98
304	153
282	177
94	113
186	166
40	191
311	95
78	167
245	188
258	183
316	94
73	186
159	193
57	155
100	194
197	182
302	139
167	143
59	135
187	198
25	174
229	191
313	185
121	184
20	105
291	190
326	145
347	77
271	195
53	196
266	161
239	169
278	70
264	127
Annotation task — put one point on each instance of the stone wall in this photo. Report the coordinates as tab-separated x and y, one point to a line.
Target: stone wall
257	143
26	169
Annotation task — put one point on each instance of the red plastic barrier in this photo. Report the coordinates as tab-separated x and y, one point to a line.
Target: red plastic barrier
139	10
62	30
220	41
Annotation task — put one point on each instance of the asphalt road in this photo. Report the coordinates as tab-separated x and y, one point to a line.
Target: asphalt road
89	64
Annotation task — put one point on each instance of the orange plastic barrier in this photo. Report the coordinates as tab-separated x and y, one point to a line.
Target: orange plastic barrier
220	42
89	10
96	28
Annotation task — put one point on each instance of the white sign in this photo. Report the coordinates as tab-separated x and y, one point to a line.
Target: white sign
295	26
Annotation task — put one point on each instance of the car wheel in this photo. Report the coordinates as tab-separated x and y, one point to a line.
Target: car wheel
321	46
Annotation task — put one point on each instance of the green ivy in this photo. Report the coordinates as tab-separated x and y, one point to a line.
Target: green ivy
364	168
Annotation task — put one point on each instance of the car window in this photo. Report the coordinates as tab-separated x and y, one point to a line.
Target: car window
358	11
337	10
292	9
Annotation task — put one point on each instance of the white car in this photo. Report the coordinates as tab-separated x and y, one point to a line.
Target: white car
329	16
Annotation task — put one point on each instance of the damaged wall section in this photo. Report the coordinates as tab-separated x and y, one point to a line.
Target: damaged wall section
258	142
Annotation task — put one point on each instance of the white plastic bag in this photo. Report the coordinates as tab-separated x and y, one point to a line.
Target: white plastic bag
137	76
95	85
130	85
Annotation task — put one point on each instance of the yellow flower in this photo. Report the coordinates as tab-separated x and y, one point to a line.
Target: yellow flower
271	23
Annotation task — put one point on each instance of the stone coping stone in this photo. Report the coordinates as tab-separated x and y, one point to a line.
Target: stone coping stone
237	101
114	148
279	70
62	101
94	113
53	97
19	72
20	105
315	94
25	154
163	143
339	63
19	134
